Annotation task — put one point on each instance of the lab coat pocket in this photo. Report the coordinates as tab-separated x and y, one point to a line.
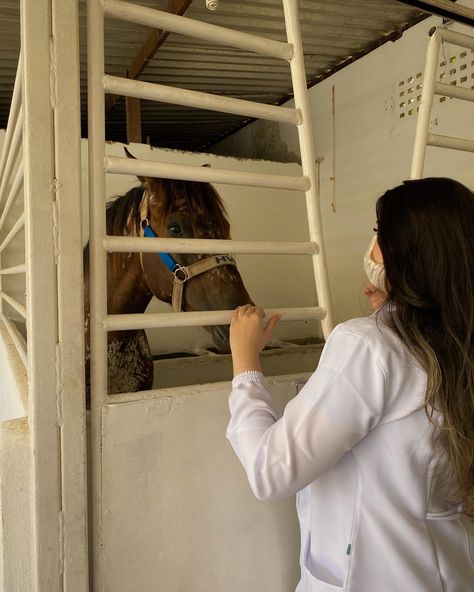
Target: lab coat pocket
309	581
453	536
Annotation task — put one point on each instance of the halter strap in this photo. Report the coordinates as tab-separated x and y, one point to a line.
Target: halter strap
181	273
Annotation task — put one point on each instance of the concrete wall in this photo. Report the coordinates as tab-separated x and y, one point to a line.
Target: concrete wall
179	512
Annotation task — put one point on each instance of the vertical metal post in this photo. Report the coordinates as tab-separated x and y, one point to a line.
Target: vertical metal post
41	297
426	104
98	268
308	160
68	232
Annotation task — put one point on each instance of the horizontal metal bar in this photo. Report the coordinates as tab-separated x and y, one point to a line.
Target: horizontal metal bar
456	38
124	322
126	244
14	189
14	231
158	19
201	100
13	270
17	338
20	308
457	92
150	168
450	142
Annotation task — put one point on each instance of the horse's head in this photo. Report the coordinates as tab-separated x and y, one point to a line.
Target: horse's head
184	209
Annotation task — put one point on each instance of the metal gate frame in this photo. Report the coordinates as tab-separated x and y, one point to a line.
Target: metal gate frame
44	120
432	87
99	164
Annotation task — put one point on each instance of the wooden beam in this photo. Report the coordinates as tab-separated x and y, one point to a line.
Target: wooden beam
152	43
134	120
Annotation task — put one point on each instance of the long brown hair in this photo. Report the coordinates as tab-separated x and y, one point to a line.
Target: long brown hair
426	235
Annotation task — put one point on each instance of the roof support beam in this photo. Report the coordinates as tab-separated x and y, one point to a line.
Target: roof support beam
152	43
134	120
445	8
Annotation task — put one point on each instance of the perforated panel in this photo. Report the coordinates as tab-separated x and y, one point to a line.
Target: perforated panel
456	69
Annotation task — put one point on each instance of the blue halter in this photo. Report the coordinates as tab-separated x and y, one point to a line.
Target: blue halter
165	257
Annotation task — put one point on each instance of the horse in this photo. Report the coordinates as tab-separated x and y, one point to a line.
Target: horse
191	282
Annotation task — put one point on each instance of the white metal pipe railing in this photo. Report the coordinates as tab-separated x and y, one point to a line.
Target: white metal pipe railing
20	308
13	232
456	92
455	38
151	168
426	103
15	269
15	107
308	162
151	17
98	272
190	98
99	164
17	338
12	152
13	193
450	142
125	244
126	322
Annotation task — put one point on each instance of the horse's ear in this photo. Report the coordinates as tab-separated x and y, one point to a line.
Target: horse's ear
130	155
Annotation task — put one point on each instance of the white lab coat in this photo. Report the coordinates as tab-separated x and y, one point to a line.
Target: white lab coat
355	445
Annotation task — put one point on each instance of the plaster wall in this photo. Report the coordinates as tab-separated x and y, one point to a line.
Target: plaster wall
371	149
179	513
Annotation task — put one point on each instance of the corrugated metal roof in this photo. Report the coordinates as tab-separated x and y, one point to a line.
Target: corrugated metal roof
335	32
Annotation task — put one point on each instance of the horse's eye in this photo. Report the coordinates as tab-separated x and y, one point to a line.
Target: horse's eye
174	229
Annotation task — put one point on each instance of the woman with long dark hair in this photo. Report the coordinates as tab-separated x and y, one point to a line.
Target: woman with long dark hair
379	444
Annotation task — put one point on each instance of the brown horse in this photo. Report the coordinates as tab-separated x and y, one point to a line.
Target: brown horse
164	208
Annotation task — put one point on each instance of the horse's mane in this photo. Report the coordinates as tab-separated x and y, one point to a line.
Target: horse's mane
123	209
196	196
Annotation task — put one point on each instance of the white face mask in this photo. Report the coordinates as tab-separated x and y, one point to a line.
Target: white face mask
375	271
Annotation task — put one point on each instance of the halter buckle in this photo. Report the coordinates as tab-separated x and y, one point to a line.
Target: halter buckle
184	274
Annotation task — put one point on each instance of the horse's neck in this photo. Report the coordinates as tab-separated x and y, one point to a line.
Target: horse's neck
127	291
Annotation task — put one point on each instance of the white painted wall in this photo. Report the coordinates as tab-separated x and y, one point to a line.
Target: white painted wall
373	147
179	514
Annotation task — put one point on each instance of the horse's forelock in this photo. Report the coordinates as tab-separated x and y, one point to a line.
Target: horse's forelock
168	195
193	197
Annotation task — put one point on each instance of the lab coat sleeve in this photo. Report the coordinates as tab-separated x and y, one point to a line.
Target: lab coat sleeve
336	408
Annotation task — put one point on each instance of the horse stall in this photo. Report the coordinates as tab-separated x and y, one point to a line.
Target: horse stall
142	491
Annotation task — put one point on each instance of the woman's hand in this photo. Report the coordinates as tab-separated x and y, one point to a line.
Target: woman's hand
248	337
376	297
